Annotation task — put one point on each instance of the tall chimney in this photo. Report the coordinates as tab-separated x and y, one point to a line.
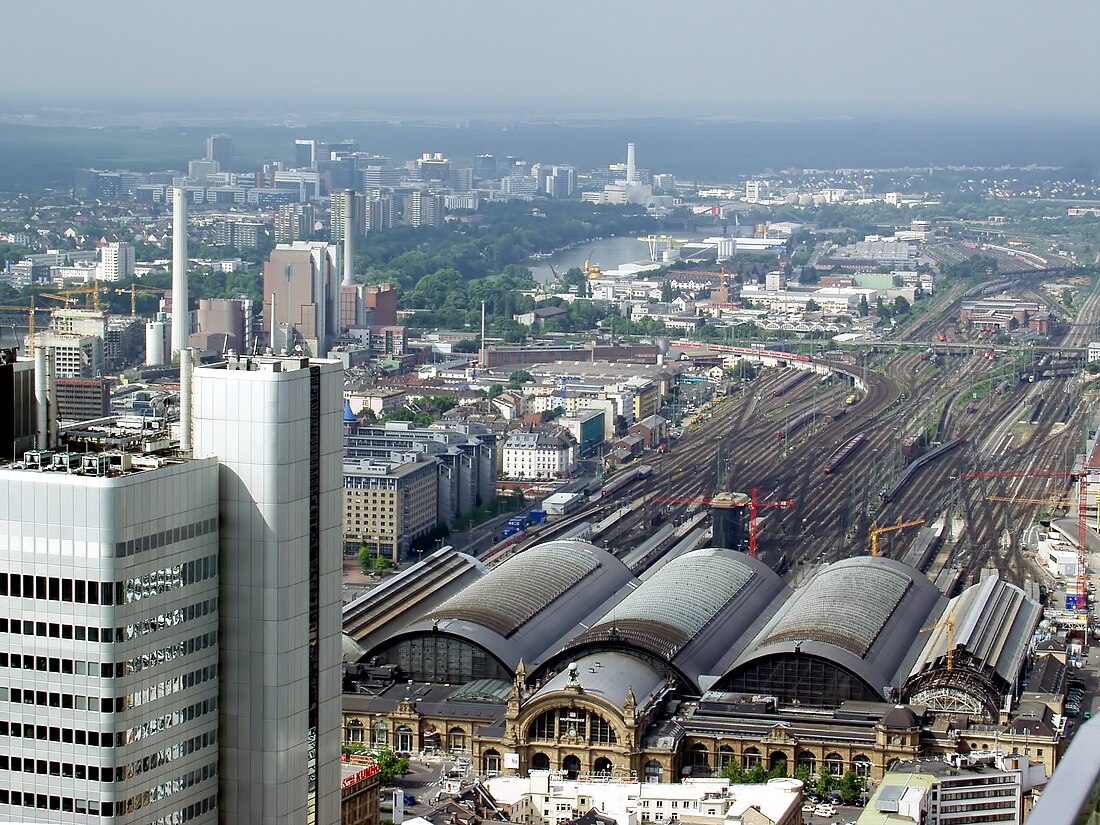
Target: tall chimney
185	400
630	163
42	404
349	236
273	350
180	331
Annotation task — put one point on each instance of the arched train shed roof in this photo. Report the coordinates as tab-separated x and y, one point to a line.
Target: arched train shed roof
862	614
695	612
527	604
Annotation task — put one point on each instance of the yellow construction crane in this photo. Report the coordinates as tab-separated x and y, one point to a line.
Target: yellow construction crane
91	293
949	623
32	310
878	531
135	291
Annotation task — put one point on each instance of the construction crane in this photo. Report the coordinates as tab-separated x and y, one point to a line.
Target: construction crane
1080	590
32	310
755	504
949	623
91	293
134	291
890	528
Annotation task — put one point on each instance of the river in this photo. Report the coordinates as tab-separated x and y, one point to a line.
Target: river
607	252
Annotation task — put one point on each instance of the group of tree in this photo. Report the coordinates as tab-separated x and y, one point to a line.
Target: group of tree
850	785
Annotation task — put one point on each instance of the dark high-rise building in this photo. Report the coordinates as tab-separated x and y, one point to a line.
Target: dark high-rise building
17	406
219	148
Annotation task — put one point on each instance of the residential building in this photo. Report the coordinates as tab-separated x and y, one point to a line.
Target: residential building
273	425
537	456
434	168
586	427
241	233
757	191
388	505
380	213
424	209
116	262
294	222
338	206
109	598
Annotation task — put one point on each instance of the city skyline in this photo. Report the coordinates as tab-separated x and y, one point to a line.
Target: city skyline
609	59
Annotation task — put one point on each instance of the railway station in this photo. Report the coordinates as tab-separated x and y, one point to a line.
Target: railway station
561	658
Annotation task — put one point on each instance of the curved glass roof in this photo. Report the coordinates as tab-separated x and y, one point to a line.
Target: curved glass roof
846	605
681	598
509	595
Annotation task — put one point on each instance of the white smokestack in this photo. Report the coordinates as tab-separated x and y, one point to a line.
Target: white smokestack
42	403
630	163
185	400
180	331
273	350
349	236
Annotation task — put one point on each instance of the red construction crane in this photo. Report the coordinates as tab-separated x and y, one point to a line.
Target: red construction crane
754	505
1081	585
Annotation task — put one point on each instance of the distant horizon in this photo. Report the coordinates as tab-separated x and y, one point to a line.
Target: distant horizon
319	110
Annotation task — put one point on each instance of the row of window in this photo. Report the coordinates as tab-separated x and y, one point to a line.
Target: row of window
81	633
52	699
154	541
107	670
165	789
167	687
108	739
95	773
167	720
168	653
81	591
68	804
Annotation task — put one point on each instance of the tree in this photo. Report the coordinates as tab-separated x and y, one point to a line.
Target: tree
1067	296
803	775
391	765
757	774
813	306
864	307
520	377
902	306
735	773
850	786
825	781
779	771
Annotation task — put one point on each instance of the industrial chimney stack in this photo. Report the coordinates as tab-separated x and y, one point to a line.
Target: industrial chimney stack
629	163
180	331
349	236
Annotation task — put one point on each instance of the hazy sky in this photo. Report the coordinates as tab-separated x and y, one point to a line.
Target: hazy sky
643	57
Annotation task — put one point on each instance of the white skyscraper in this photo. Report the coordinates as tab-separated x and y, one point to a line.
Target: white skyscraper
109	629
275	426
116	262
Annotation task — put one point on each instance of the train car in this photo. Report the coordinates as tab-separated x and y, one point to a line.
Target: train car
903	480
838	458
797	423
1002	388
790	383
850	399
912	444
971	407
